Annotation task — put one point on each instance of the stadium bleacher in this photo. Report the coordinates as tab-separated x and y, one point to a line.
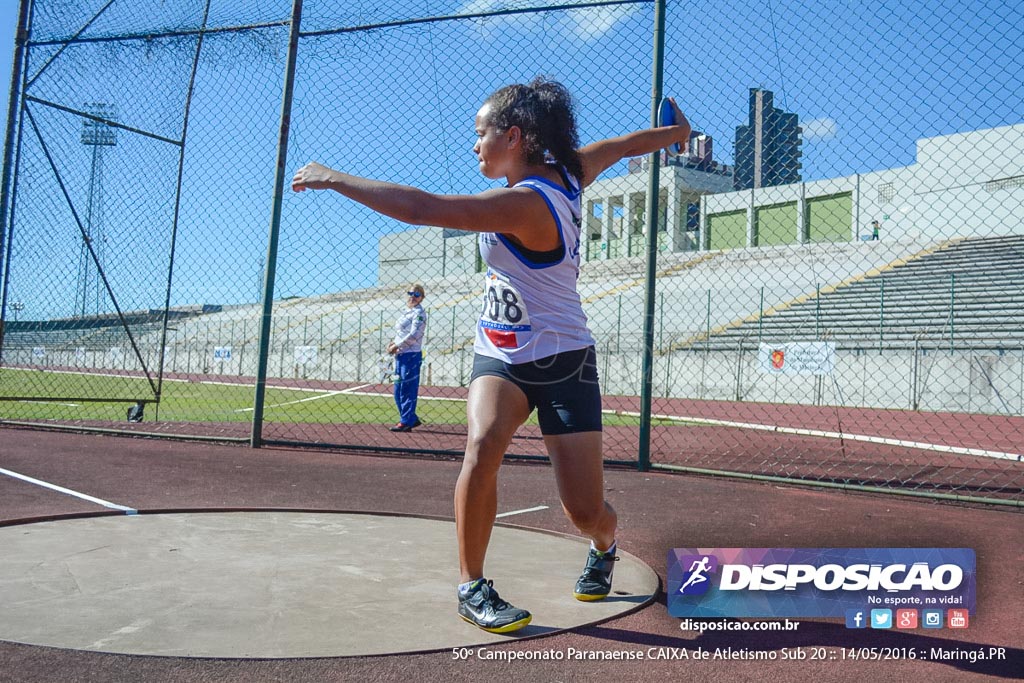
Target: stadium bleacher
967	293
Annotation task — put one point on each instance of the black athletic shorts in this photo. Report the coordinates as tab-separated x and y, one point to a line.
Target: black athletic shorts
563	388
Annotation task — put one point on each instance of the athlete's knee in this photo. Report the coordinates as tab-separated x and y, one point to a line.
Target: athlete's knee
485	445
590	517
482	460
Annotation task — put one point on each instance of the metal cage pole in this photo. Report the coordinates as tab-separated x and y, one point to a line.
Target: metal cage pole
654	180
256	438
13	106
172	247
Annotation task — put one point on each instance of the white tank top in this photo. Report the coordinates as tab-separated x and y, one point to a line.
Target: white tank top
531	309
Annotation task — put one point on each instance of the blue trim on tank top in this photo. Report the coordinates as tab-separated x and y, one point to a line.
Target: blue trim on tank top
572	193
561	237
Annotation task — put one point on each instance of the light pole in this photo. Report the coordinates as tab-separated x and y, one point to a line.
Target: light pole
17	307
95	134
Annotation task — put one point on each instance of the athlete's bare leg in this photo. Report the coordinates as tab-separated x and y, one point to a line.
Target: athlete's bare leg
579	472
496	408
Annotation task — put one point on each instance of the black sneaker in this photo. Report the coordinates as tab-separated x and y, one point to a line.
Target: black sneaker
484	608
401	428
595	583
417	423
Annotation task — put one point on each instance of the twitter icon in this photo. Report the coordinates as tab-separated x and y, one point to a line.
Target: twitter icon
881	618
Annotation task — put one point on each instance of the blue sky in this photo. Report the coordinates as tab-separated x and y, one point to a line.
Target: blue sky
8	22
867	80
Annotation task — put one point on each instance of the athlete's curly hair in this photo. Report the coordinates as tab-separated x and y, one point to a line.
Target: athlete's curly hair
543	110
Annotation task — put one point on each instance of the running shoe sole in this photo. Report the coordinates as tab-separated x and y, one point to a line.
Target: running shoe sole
587	597
507	628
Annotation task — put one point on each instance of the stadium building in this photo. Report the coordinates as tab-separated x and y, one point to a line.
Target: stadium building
768	147
961	185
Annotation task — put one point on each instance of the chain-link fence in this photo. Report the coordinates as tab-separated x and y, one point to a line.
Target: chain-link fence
833	295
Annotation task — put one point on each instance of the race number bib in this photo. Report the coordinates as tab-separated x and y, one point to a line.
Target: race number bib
504	318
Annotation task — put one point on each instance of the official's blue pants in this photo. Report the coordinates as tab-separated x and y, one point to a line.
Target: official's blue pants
407	385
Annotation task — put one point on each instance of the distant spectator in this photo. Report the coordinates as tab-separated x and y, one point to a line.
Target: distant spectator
875	227
406	348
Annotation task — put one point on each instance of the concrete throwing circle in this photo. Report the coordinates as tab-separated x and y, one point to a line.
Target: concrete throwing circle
280	584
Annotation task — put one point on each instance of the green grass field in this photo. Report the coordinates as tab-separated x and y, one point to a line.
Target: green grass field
213	402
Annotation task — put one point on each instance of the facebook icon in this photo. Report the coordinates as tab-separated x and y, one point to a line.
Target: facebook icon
856	618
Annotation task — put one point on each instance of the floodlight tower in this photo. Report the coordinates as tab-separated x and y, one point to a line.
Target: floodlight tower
96	134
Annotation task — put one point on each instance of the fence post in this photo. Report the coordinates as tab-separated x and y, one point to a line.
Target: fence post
256	437
881	314
359	347
952	301
605	377
760	317
914	369
618	327
668	375
817	311
661	320
287	345
970	384
644	447
707	324
241	351
739	371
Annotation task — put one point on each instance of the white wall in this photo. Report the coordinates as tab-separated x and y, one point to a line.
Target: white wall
941	196
424	254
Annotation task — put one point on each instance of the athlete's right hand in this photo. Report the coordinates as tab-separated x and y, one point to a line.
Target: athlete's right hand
312	176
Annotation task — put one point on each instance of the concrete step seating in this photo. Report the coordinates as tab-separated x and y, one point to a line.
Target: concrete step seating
978	279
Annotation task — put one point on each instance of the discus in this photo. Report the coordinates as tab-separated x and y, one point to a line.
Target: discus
667	117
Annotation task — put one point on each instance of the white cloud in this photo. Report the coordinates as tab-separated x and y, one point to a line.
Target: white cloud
593	23
587	24
519	22
819	129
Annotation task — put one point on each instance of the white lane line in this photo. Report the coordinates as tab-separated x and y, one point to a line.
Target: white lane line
355	389
519	512
902	443
353	392
179	380
288	403
54	403
76	494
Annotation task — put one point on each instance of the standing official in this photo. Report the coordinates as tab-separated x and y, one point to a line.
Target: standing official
407	347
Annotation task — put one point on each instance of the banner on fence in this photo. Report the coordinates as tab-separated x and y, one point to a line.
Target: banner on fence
306	355
797	358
